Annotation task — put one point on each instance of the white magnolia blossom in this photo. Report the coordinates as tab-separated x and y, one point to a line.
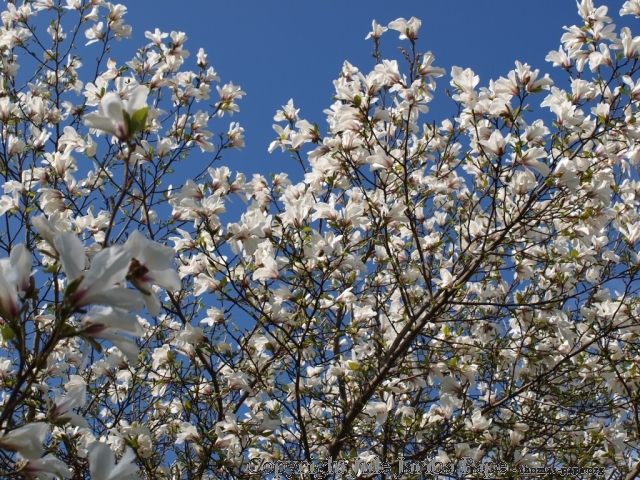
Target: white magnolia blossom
376	32
115	116
152	263
98	284
408	28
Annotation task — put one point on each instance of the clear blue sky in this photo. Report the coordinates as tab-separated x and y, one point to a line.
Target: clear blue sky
277	50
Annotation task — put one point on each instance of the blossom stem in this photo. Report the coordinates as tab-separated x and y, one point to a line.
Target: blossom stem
125	188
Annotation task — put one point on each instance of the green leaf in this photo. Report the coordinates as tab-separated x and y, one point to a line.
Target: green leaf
7	333
72	287
138	120
68	331
94	344
51	269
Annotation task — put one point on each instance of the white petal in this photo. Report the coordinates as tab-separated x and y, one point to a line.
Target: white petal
22	259
102	461
447	278
167	279
109	266
152	255
543	168
118	297
45	228
126	467
136	244
26	440
8	295
112	106
152	302
71	253
49	464
77	420
126	345
99	122
115	319
138	99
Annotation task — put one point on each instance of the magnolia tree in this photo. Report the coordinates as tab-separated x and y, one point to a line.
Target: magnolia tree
465	289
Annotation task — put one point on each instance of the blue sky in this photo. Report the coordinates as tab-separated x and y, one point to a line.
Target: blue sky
295	49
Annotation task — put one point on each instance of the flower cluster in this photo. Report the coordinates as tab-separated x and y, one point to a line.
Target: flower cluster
467	287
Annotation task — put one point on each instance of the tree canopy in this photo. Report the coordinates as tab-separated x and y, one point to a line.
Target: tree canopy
456	297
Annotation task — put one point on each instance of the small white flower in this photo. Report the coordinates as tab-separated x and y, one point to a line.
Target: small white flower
376	32
446	279
408	29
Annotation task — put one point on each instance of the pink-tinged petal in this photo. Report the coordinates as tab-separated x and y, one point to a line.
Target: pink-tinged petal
8	296
115	319
72	255
21	259
106	322
26	440
48	464
156	262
